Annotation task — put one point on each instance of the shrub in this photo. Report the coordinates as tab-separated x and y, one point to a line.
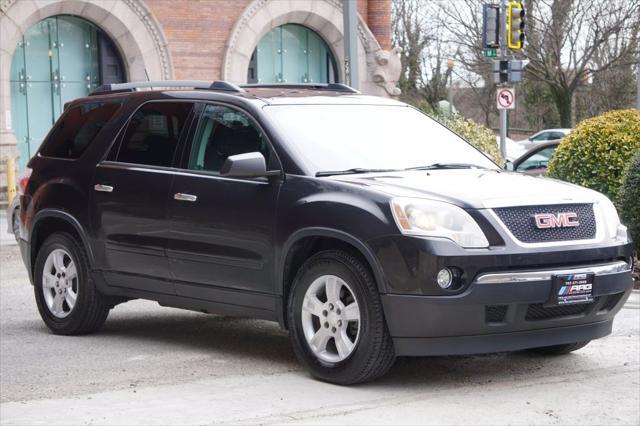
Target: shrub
597	151
629	199
477	135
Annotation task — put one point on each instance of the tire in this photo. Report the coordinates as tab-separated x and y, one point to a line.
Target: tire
369	354
89	310
560	349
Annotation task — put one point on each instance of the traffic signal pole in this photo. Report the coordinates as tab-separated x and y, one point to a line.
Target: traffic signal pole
503	57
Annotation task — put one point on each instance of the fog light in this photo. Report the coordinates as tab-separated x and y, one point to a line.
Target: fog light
444	278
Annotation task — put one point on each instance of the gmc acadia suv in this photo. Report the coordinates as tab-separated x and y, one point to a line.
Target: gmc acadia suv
362	226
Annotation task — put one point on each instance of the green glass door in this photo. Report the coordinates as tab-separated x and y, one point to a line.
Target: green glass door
292	54
56	61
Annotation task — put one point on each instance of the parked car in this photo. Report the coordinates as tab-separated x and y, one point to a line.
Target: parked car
544	136
514	149
535	161
361	225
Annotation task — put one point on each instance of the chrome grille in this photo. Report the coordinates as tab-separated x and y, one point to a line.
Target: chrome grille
520	222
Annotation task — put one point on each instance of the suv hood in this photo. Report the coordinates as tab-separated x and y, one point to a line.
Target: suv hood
474	188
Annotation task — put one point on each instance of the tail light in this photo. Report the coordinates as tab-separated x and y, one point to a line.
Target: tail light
24	181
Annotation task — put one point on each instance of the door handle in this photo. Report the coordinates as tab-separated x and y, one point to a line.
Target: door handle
184	197
103	188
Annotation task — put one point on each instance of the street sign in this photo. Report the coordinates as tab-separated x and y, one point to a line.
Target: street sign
506	98
490	53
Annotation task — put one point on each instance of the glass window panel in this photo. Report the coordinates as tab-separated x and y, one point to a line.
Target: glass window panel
38	52
223	132
293	54
78	128
153	133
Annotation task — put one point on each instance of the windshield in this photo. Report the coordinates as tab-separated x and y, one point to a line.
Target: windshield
362	137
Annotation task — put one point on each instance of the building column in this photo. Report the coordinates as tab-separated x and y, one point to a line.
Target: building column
379	21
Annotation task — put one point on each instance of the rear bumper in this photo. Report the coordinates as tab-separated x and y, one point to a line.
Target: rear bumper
494	316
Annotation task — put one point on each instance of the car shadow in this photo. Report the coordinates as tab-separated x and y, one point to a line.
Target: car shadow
264	340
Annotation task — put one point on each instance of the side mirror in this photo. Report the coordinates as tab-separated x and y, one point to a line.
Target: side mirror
248	165
508	165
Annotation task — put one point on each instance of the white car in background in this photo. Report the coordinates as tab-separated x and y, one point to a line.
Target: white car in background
543	136
514	149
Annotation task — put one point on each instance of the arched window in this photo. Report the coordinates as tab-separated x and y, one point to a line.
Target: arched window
292	53
57	60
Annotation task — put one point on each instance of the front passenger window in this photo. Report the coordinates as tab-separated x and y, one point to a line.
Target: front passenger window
223	132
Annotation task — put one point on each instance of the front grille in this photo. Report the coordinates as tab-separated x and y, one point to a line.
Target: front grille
521	222
536	311
495	313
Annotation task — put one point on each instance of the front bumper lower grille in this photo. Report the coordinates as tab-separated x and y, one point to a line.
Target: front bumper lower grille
520	221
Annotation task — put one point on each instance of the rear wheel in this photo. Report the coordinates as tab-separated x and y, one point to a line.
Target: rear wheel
67	299
560	349
336	320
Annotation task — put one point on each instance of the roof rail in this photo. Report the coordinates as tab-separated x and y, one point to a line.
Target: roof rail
196	84
334	87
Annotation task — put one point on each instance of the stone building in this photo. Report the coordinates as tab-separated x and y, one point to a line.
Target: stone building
52	51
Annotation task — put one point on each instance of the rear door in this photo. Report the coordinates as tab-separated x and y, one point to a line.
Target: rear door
221	246
130	197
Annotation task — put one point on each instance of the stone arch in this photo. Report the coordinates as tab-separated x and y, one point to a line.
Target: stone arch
129	23
322	16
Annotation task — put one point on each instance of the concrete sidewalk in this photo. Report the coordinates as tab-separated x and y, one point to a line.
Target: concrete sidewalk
6	238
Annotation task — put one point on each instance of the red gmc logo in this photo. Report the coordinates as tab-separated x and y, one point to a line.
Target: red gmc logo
560	220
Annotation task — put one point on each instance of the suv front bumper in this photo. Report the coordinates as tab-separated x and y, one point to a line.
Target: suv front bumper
504	312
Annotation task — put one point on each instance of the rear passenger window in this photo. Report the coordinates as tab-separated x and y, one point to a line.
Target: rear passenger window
77	128
153	133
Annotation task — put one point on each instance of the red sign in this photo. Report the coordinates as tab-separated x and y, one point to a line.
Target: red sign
506	98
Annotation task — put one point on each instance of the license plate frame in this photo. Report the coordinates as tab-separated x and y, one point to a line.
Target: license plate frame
571	289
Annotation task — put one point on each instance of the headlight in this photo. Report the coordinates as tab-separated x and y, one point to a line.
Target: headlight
428	218
614	228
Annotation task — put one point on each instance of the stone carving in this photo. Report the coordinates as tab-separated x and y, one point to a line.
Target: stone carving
387	70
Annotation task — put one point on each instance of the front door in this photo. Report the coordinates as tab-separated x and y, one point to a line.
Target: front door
130	195
222	229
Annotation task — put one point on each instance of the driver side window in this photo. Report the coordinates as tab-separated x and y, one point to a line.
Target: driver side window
538	160
223	132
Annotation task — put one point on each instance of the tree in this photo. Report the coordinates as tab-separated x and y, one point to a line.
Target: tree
569	41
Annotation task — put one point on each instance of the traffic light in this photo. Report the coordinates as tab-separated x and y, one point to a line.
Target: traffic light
515	25
490	26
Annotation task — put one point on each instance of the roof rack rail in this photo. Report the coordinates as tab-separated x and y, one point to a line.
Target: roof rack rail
334	87
196	84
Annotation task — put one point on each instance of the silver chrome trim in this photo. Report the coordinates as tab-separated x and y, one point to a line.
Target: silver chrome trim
185	197
545	275
103	188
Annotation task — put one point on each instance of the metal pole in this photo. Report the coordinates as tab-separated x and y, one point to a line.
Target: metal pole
638	83
503	57
450	97
350	15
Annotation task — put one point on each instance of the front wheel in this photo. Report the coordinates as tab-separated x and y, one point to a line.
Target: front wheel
336	320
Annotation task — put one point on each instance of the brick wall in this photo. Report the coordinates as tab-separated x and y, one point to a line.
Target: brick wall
197	31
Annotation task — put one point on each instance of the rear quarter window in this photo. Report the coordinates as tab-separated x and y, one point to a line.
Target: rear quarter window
77	128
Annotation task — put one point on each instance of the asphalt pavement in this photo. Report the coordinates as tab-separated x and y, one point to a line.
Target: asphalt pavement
154	365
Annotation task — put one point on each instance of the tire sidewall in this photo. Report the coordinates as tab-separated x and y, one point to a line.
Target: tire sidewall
68	244
343	371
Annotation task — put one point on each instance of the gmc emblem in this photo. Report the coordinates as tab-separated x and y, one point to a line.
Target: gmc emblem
560	220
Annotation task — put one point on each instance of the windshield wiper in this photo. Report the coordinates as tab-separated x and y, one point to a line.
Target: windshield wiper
436	166
353	171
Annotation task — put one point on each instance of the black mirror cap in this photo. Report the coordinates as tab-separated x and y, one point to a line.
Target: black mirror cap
247	165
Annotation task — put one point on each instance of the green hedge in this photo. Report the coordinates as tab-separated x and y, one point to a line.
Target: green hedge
477	135
629	200
596	153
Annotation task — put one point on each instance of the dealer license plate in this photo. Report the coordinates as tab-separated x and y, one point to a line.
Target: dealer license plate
571	289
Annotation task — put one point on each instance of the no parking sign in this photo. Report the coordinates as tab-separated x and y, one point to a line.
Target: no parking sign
506	98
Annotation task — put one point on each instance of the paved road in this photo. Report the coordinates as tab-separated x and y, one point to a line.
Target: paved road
153	365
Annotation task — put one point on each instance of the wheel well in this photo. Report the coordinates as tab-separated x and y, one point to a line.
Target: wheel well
49	226
302	250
